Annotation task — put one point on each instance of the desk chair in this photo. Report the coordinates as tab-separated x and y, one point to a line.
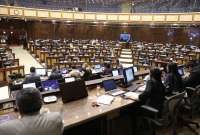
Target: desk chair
193	99
170	114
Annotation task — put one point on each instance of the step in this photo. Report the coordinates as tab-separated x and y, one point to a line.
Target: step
125	60
127	65
126	56
125	53
126	50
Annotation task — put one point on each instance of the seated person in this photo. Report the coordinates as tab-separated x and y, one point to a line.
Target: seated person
10	55
193	79
32	122
108	69
154	94
33	77
173	80
75	73
86	72
55	74
118	64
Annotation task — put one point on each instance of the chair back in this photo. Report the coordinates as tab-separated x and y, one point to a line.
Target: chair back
174	102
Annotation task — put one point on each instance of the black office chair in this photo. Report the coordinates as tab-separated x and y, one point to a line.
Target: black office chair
191	108
170	114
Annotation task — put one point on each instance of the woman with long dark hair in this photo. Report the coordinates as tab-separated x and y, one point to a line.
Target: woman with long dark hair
173	80
154	94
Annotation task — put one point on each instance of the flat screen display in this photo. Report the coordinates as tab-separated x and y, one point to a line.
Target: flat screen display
50	85
115	72
97	66
129	75
29	85
125	37
135	69
41	71
4	93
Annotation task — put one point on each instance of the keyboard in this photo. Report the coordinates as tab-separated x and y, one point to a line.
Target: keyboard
116	92
134	87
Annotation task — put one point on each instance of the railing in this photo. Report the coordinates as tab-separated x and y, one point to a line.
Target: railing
129	18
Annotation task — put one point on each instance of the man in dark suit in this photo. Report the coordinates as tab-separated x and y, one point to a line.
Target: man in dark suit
108	69
33	77
55	74
32	122
194	78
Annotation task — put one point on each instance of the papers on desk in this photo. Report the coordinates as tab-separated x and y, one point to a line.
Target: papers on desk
132	95
142	88
105	99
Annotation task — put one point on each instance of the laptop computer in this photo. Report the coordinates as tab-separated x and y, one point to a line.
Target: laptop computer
4	93
29	85
115	72
111	88
49	85
73	91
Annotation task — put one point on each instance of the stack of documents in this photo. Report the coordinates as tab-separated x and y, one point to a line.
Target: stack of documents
132	95
105	99
142	88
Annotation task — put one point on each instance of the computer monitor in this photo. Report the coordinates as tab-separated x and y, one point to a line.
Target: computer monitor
125	37
97	66
4	93
73	91
48	73
70	79
41	71
109	85
128	75
64	71
50	85
29	85
135	69
115	72
181	71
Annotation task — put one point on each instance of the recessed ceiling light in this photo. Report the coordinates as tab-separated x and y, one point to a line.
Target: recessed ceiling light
68	21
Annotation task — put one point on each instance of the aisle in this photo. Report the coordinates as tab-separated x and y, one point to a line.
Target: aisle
126	58
25	58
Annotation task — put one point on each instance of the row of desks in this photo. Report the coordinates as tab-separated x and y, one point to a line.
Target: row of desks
5	72
81	111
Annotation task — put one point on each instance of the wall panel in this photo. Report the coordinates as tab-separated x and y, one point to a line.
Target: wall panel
47	29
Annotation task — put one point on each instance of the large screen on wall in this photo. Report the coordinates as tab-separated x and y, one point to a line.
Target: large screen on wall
125	37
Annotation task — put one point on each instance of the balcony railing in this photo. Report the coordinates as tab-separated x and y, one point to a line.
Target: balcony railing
129	18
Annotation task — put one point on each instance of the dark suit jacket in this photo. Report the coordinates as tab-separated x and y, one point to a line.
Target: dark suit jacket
87	74
154	94
32	78
107	71
173	83
194	79
55	76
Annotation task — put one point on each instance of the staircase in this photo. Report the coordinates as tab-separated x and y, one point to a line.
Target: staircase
126	58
